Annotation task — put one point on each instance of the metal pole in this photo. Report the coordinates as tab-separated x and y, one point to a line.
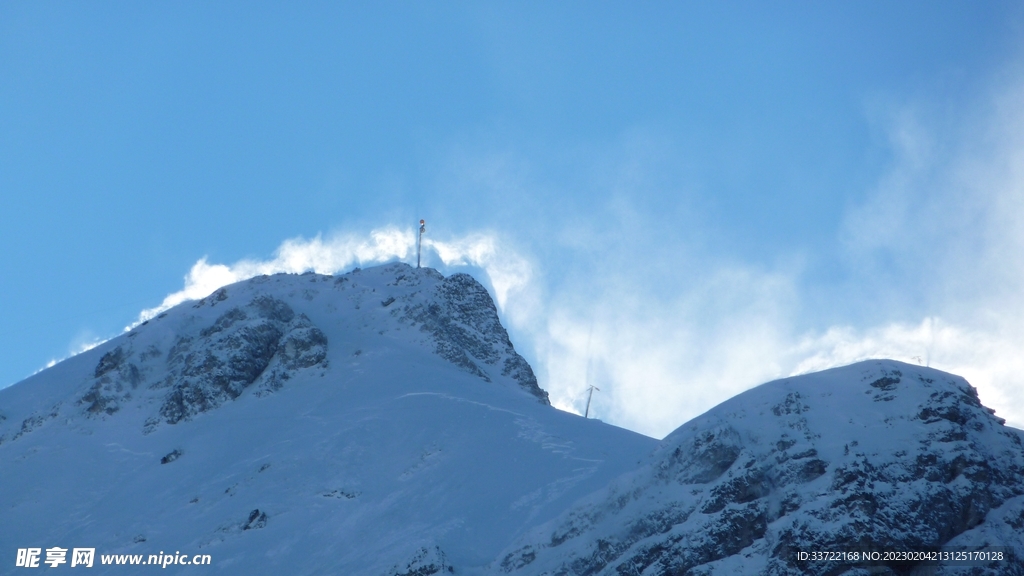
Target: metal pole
589	396
419	241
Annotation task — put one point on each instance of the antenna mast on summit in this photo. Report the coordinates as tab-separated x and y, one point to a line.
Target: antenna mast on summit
591	387
589	396
419	240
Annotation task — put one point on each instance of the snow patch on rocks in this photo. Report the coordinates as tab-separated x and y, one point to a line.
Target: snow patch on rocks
879	455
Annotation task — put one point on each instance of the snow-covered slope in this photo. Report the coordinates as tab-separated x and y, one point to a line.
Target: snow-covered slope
378	422
382	423
879	455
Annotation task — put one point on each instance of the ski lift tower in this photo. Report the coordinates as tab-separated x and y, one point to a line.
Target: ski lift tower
419	240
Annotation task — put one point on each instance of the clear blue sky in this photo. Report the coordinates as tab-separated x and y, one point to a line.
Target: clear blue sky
720	192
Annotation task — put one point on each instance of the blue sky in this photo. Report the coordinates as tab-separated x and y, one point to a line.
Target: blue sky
676	201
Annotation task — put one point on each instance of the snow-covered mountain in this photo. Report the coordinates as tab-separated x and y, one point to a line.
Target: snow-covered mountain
378	422
877	456
381	422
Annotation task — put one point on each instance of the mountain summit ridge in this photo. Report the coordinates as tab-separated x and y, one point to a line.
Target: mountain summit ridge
878	455
244	337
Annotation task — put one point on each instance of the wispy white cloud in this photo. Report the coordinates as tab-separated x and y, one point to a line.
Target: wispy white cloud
509	273
989	359
945	226
659	358
666	327
85	340
294	256
661	364
934	256
662	358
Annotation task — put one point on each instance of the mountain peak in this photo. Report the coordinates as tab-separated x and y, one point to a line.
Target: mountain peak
879	455
256	335
385	408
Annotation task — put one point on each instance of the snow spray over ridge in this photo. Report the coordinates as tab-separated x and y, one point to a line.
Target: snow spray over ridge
643	349
506	270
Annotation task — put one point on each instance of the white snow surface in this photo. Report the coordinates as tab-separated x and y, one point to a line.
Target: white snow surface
373	458
381	423
878	455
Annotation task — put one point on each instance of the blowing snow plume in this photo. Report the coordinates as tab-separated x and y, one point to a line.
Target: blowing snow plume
506	271
658	358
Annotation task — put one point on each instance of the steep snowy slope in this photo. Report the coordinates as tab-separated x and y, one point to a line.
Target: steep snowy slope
879	456
378	422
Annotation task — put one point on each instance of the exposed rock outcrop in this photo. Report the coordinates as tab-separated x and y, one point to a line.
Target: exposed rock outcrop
879	456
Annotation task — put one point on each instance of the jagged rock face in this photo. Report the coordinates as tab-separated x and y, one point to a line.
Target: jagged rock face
457	316
261	342
249	338
464	323
264	340
876	456
427	561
